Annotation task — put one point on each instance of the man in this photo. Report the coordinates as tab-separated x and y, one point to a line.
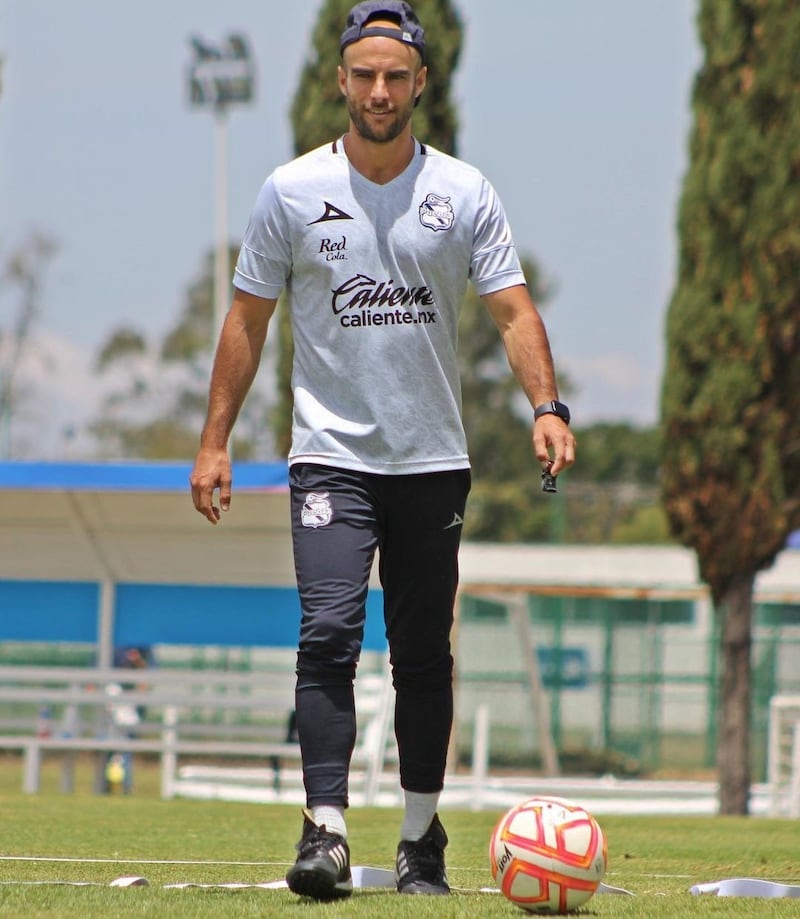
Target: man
374	237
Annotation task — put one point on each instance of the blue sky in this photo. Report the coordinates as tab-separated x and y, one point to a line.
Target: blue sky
578	112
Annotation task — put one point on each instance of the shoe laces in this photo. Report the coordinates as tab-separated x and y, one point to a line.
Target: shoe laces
318	840
425	858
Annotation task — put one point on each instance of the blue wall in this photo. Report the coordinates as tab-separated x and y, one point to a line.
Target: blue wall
148	614
48	611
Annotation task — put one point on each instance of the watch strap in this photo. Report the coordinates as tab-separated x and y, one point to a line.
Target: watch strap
554	407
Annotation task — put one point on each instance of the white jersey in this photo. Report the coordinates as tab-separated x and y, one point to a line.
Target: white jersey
375	276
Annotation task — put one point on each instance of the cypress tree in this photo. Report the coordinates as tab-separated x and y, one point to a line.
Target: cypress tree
731	390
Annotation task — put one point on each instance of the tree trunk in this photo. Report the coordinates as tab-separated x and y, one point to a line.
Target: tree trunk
733	739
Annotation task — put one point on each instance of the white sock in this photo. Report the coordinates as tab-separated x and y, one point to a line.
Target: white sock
331	816
420	810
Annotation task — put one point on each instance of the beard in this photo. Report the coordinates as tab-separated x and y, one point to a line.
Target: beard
384	132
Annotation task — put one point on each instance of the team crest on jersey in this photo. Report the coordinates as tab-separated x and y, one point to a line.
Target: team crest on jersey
436	213
317	510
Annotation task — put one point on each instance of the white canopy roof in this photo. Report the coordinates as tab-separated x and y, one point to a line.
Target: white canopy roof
135	523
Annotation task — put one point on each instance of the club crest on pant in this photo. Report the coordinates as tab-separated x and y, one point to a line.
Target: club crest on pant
317	510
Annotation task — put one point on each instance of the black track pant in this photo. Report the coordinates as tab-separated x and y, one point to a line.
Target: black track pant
339	519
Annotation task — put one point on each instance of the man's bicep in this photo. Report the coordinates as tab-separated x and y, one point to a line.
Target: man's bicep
255	312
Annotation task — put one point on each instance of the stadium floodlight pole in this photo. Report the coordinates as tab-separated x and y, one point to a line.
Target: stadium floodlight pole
218	78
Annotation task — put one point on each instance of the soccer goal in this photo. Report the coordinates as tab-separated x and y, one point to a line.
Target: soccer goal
783	756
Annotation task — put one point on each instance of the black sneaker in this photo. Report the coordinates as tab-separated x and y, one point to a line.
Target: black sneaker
322	869
420	865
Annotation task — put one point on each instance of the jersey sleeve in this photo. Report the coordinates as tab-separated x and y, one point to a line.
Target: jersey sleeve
494	264
265	258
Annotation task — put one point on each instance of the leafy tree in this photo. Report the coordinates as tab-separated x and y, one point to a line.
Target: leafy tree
731	390
25	271
192	339
157	392
123	343
140	415
618	452
622	512
508	511
645	524
612	494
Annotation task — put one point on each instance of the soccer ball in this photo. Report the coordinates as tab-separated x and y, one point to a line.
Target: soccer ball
548	855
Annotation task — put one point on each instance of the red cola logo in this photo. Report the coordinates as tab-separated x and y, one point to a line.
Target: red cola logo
362	292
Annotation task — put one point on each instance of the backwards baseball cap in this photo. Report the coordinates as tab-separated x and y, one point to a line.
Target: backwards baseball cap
358	26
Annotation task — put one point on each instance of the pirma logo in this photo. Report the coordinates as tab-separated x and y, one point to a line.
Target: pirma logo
331	212
457	521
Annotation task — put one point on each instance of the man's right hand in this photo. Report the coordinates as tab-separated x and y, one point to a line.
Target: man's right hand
212	470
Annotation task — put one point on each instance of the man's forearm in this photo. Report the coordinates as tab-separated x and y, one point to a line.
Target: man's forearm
235	367
525	341
529	356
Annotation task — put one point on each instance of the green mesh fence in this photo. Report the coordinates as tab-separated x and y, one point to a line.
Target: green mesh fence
629	682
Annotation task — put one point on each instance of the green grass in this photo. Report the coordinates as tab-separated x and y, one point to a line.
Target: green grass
657	859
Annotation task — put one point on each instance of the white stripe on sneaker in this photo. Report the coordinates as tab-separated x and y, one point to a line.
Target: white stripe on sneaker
339	856
402	865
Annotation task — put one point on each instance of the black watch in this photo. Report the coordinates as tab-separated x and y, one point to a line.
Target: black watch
552	408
